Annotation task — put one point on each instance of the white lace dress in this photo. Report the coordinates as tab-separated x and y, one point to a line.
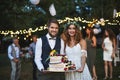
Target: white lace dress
107	54
74	54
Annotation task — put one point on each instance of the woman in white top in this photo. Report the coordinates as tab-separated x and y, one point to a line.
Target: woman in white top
75	49
109	47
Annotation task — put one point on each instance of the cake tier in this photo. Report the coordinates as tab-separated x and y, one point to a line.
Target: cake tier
55	59
57	67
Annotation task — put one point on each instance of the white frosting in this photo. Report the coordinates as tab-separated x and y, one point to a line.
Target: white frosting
55	59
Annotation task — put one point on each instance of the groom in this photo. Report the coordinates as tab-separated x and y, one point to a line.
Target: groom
44	46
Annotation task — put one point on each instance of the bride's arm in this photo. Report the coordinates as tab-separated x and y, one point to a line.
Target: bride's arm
84	55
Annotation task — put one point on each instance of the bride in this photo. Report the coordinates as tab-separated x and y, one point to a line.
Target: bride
75	50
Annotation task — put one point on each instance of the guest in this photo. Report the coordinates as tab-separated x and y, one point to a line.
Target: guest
91	51
118	42
118	46
75	50
32	52
14	56
109	47
44	46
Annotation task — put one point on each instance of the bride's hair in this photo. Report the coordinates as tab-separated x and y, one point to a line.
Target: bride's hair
66	37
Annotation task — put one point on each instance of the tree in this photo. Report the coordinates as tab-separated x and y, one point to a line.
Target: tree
20	14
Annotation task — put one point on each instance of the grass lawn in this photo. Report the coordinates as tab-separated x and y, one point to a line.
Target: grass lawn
5	68
26	73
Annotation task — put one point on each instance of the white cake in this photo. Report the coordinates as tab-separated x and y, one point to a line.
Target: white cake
58	64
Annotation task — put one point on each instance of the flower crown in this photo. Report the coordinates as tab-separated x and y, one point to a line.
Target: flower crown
71	22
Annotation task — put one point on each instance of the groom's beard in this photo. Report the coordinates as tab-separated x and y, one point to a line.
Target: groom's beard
52	35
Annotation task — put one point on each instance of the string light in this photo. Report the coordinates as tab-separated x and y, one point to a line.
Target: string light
117	14
67	19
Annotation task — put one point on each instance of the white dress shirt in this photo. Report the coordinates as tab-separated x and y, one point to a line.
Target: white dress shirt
10	51
32	48
38	50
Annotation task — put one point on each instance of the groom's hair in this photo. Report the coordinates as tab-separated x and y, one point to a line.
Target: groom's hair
52	20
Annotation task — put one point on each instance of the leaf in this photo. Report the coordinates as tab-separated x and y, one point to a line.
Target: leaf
47	59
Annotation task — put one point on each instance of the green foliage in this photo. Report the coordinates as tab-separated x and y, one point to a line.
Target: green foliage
14	14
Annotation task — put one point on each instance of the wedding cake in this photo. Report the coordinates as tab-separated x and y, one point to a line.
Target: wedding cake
59	63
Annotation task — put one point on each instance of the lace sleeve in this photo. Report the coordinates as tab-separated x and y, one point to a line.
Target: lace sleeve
84	53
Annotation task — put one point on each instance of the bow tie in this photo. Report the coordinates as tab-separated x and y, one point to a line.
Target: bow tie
52	38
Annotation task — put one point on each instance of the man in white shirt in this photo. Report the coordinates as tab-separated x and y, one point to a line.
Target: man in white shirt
44	46
32	52
14	56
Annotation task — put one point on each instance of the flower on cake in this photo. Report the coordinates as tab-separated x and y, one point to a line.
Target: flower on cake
52	53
